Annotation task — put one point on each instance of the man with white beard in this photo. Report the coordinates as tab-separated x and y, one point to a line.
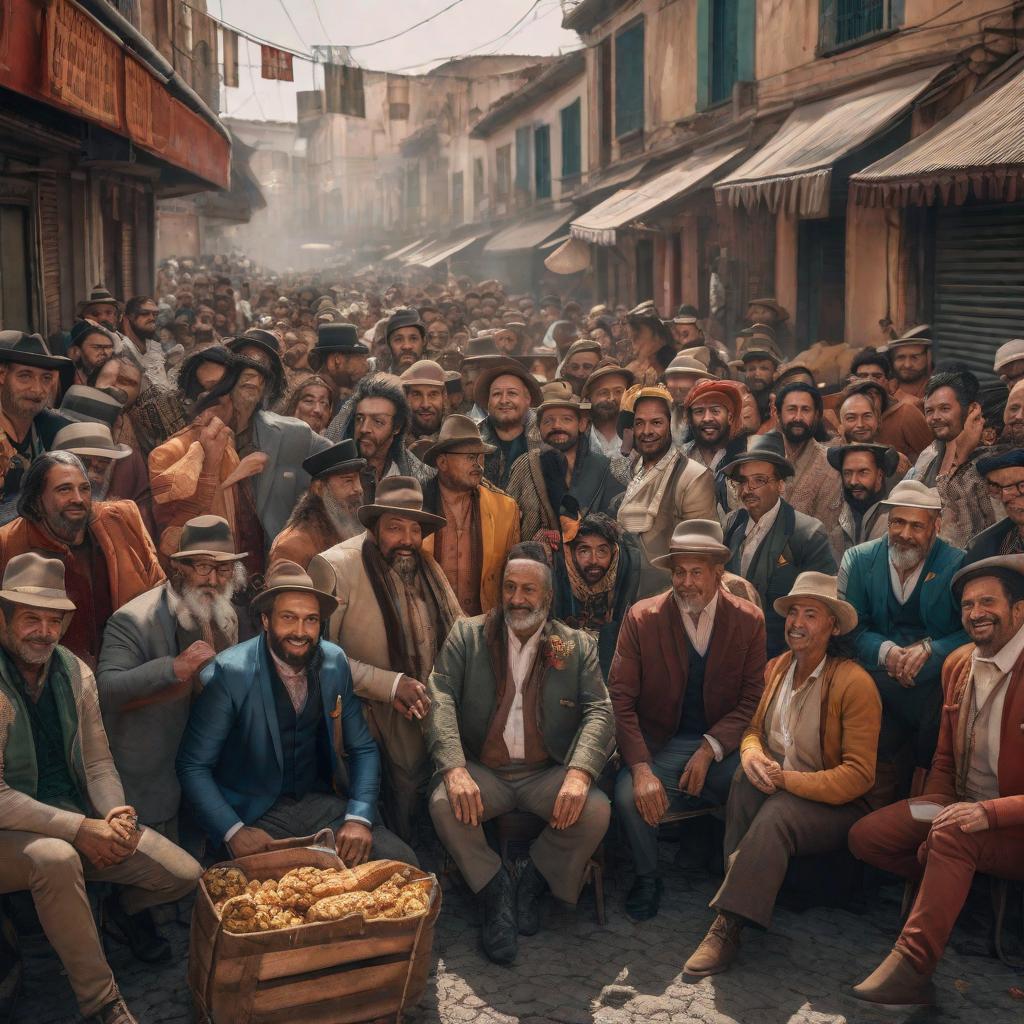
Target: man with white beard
326	513
153	649
908	619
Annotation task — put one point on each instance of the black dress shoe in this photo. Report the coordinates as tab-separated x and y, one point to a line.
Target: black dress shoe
136	931
498	928
530	888
644	898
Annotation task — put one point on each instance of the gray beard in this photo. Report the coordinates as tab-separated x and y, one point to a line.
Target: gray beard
341	517
526	622
906	559
192	611
406	566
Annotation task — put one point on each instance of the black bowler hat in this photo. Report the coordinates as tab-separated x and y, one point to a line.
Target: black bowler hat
342	457
342	339
888	459
404	318
265	340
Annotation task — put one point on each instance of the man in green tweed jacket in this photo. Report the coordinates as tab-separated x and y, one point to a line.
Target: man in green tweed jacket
520	720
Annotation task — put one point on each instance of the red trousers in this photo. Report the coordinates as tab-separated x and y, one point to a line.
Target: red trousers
944	860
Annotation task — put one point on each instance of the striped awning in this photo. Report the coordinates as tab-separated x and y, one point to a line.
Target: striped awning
441	251
525	235
793	170
399	253
977	150
599	225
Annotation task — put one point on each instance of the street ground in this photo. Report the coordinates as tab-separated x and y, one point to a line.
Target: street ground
577	972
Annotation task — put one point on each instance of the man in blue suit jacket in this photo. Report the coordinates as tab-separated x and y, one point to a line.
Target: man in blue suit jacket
276	744
908	619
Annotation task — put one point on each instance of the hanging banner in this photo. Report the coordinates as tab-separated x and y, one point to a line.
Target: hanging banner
276	64
229	45
343	90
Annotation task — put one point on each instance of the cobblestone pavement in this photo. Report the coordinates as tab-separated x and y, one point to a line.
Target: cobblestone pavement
575	972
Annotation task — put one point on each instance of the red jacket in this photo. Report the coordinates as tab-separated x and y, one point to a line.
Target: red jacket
1008	808
647	678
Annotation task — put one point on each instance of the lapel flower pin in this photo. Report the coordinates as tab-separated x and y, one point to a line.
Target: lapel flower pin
559	650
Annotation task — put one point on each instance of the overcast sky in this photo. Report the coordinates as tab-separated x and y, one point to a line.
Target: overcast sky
470	27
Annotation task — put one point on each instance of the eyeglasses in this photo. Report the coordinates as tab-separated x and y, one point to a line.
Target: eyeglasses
998	490
753	483
205	569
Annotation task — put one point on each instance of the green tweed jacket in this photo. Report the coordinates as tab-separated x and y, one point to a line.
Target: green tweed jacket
574	712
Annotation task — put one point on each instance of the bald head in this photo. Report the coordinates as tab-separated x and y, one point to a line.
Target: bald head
1013	415
858	419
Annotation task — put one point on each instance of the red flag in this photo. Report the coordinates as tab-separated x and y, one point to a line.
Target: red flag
277	64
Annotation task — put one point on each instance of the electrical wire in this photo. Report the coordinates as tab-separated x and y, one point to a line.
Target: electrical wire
387	39
291	21
323	27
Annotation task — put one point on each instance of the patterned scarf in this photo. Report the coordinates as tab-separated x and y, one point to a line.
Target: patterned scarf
595	604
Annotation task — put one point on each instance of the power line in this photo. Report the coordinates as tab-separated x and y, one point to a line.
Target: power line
291	21
323	27
387	39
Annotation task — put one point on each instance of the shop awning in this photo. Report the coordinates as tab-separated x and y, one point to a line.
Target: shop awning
399	253
529	234
410	255
793	171
978	149
441	251
599	225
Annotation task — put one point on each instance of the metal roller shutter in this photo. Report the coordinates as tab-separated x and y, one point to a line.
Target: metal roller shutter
49	237
979	281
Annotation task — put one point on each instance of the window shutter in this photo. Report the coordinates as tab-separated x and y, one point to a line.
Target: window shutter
49	232
571	160
629	80
523	159
542	161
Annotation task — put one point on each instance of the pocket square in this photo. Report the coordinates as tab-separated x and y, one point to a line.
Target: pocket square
929	577
782	561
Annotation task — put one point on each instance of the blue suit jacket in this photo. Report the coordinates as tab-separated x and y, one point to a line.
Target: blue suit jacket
864	582
230	763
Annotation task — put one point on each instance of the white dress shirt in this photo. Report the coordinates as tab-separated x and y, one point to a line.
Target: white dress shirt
520	661
788	706
699	634
755	534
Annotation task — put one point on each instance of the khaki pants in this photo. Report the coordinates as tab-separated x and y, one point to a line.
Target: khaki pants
762	832
52	870
560	856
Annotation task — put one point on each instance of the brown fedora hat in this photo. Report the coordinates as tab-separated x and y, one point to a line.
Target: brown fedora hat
38	582
558	394
509	368
819	586
424	372
402	496
285	577
458	433
696	537
208	537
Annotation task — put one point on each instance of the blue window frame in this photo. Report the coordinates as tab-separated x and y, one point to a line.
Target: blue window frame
629	80
542	161
572	162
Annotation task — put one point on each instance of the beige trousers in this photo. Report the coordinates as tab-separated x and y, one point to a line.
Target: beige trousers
52	870
560	856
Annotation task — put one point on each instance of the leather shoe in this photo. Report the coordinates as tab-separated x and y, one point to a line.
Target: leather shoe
136	931
114	1012
498	930
644	897
718	949
530	887
894	983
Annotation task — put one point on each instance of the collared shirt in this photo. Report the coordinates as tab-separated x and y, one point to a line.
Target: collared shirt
294	680
699	634
755	534
789	705
634	485
901	590
520	661
606	447
991	677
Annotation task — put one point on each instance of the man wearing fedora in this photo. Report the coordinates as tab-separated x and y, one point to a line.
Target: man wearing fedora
687	674
808	766
508	394
685	370
90	345
713	410
92	443
64	819
424	386
100	306
395	607
481	523
520	720
262	348
604	390
153	649
566	468
970	818
107	553
771	542
340	355
909	623
326	514
865	470
276	744
667	487
579	363
29	377
760	358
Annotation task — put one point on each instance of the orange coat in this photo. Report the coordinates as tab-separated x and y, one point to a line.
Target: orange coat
117	529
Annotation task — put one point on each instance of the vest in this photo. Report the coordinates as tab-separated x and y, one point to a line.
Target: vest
299	735
692	721
906	626
56	785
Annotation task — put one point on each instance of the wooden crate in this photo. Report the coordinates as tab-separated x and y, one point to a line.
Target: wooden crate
330	972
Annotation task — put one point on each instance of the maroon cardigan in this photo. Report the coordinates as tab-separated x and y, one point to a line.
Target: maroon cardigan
647	678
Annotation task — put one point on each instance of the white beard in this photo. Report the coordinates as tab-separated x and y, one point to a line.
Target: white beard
192	611
906	559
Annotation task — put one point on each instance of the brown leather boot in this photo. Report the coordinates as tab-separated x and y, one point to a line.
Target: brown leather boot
895	983
718	948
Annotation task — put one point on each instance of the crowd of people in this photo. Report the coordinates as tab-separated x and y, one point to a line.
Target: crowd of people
397	559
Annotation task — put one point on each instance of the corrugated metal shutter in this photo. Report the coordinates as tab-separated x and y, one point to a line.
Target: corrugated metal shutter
49	239
979	281
127	260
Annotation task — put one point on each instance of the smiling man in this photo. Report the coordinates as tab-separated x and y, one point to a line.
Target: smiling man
1004	478
713	413
424	386
108	555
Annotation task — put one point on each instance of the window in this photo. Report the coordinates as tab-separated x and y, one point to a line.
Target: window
503	171
604	100
458	198
843	22
523	160
629	80
478	183
571	162
725	48
542	161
